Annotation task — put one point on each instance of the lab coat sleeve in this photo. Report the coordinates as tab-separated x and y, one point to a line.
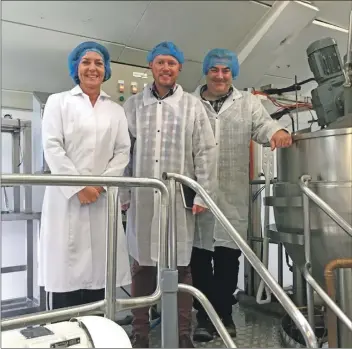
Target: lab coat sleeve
263	126
130	110
53	144
204	153
120	158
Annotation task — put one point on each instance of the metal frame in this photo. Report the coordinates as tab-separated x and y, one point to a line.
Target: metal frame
299	319
307	194
166	264
21	132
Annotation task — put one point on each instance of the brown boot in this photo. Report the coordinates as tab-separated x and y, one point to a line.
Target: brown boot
139	341
185	341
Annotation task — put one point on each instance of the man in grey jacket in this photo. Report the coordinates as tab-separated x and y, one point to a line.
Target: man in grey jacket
236	118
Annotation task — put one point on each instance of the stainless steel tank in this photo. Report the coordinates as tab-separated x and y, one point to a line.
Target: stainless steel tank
326	156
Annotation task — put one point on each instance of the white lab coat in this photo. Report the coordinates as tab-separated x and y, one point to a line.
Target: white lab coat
171	135
242	117
79	139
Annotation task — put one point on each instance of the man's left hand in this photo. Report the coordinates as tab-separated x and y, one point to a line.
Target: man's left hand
198	209
281	139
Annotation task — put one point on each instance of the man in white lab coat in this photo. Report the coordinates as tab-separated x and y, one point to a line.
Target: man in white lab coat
170	132
236	118
84	133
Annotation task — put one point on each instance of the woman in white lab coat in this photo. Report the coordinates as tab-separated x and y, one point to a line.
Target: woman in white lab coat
84	133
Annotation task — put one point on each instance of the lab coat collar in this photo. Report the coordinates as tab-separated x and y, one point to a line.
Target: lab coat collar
78	91
149	98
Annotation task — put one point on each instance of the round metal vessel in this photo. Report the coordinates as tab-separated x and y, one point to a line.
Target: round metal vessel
327	157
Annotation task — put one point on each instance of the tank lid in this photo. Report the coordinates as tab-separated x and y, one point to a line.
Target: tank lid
322	133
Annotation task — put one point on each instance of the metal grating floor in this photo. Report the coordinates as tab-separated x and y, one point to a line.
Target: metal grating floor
254	330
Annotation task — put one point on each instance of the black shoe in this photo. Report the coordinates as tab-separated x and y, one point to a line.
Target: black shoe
230	327
140	341
185	341
203	332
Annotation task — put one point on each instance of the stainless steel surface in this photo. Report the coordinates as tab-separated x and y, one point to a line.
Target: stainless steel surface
299	287
329	302
324	206
344	298
213	316
282	297
326	156
307	254
289	238
111	255
121	304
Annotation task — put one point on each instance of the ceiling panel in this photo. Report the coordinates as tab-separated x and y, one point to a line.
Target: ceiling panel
334	12
36	59
106	20
197	26
294	59
134	56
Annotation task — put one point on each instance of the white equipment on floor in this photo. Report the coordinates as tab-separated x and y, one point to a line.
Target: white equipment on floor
80	332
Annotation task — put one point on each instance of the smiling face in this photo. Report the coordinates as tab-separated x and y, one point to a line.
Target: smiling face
165	70
219	80
91	70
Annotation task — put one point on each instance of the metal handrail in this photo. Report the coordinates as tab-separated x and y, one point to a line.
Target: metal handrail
105	305
323	205
309	194
299	319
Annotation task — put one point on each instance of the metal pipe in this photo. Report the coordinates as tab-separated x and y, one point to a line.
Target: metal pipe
300	321
54	315
261	181
214	317
324	296
172	228
280	265
111	256
266	240
331	291
307	254
323	205
349	42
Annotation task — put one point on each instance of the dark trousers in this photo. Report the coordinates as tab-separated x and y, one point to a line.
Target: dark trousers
218	284
74	298
144	283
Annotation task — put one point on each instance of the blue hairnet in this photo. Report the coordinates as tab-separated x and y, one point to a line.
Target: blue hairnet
221	56
166	48
76	55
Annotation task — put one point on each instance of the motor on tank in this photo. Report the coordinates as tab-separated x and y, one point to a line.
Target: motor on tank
80	332
330	98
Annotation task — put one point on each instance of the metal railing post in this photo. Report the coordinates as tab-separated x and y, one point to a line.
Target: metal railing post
307	253
111	256
298	318
169	281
